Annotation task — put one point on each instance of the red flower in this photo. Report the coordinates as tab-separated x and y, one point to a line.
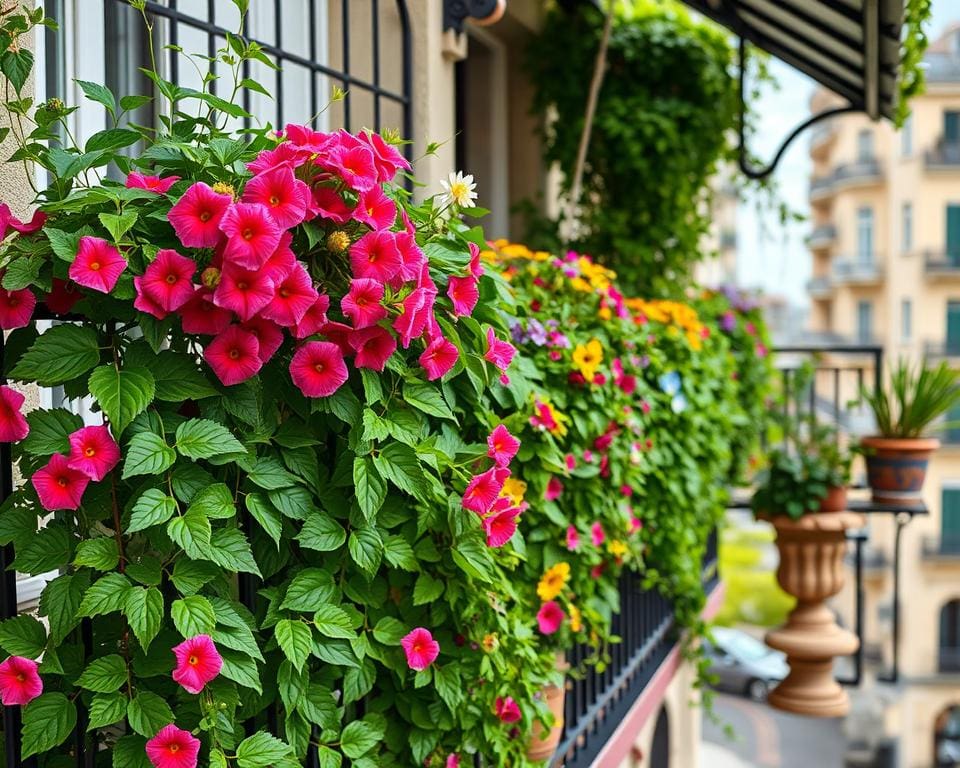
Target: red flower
98	264
269	336
283	195
412	259
506	709
318	368
234	355
438	358
62	297
375	209
328	204
482	490
13	426
173	747
554	489
464	293
200	315
19	682
362	304
376	255
314	319
198	662
293	298
36	222
93	452
168	280
550	617
243	291
476	268
59	486
500	526
373	346
252	235
16	308
421	649
502	446
136	180
416	312
196	216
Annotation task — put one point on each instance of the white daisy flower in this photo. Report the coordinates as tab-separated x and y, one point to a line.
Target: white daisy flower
459	190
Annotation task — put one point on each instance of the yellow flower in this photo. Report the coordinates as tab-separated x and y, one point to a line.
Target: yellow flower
222	188
553	581
617	548
587	357
490	643
605	313
576	618
514	489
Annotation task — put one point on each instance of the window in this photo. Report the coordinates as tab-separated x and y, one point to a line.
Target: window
950	636
906	320
864	322
953	328
865	235
906	137
952	238
951	128
906	227
865	146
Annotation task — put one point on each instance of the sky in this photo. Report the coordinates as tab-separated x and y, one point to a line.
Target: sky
771	255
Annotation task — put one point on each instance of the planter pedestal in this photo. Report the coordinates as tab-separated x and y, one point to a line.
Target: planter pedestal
811	569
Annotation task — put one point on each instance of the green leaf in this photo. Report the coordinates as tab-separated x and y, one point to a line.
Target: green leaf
122	394
178	378
321	533
427	398
148	571
310	589
105	142
193	615
358	738
446	679
62	353
366	548
101	554
107	595
152	508
16	63
48	549
60	602
399	464
329	758
261	750
370	487
270	475
128	103
98	93
148	713
104	675
21	273
144	610
229	548
240	668
473	559
47	722
50	431
215	501
118	224
374	427
147	454
266	515
295	640
23	636
427	589
189	576
389	631
130	752
107	709
202	438
192	533
295	502
333	621
399	553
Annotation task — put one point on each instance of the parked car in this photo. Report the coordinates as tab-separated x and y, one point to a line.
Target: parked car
742	664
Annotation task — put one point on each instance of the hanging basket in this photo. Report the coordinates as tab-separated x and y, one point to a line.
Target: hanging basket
811	569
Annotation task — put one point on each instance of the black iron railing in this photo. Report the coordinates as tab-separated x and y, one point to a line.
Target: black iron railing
942	262
944	154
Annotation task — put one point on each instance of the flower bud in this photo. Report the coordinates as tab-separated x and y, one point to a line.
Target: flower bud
338	241
222	188
210	277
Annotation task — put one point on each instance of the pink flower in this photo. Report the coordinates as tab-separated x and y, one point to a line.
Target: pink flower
252	235
438	358
506	709
234	355
16	308
373	346
243	291
573	539
292	299
453	761
196	216
636	524
284	153
464	293
482	490
421	649
59	486
173	747
550	617
376	255
282	261
362	304
13	426
314	319
328	204
98	264
412	259
571	462
385	157
499	352
412	320
375	209
355	166
554	488
93	452
268	333
501	525
198	662
200	315
502	446
318	369
19	681
63	297
145	302
476	268
136	180
281	193
36	223
168	280
597	535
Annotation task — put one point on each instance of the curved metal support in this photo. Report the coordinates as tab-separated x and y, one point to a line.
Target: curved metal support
750	171
456	12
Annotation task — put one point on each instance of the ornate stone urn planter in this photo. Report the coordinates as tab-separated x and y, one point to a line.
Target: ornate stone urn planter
811	569
543	746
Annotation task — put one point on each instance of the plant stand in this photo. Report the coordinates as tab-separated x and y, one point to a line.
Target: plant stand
811	569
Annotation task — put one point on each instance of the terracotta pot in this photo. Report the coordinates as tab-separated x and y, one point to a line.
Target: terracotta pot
897	467
835	500
542	747
811	569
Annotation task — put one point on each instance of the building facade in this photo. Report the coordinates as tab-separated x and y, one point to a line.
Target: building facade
885	242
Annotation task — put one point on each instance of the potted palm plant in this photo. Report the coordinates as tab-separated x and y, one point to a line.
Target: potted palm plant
898	455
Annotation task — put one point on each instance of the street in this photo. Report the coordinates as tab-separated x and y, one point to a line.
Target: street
766	738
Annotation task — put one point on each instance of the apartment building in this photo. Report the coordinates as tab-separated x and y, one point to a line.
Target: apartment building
885	242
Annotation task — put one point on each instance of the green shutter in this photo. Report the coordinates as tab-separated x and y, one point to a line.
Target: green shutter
950	520
953	234
951	128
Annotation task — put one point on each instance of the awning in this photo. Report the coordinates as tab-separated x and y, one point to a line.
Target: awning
851	47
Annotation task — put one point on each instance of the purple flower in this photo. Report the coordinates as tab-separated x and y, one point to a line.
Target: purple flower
728	322
517	333
536	332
